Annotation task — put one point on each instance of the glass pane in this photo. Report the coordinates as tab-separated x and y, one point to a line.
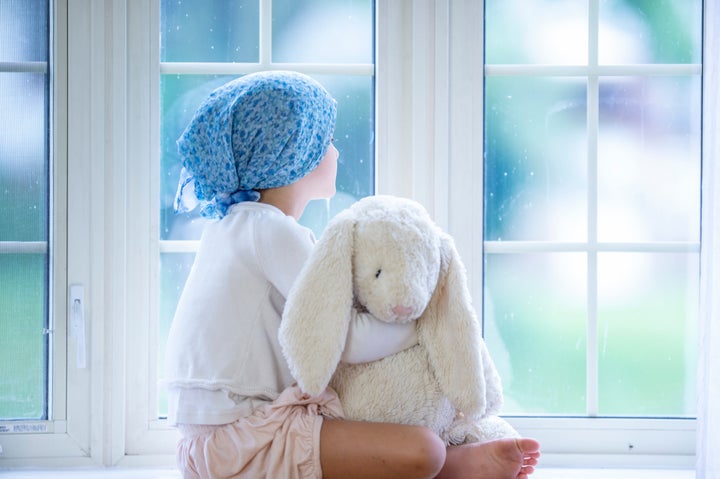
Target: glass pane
174	270
23	157
24	186
23	31
649	159
535	171
647	319
322	31
23	353
537	32
534	321
650	31
353	138
215	31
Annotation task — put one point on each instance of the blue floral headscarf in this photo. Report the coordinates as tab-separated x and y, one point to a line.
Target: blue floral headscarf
263	130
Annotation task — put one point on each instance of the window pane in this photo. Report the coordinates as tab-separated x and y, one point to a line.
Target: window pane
23	30
23	157
215	31
174	270
24	186
322	31
23	344
537	32
536	169
534	326
649	150
650	31
648	306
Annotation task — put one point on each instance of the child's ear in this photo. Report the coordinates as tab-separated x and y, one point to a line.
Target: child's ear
316	318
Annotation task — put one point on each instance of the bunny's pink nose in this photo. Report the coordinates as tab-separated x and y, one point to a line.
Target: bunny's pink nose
402	310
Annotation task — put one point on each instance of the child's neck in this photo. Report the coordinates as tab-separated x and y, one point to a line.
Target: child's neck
286	199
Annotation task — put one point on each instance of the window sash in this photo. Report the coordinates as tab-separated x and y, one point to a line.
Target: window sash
593	72
63	438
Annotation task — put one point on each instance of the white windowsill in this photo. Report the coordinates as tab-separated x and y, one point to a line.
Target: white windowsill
133	473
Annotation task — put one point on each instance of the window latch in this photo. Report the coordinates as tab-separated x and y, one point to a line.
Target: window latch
77	323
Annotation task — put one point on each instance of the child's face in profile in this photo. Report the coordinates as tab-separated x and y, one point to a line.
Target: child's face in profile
321	181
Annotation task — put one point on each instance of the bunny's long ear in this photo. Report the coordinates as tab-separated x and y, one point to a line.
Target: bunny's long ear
450	331
317	312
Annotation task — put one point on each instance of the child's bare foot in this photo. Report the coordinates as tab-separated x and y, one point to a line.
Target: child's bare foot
501	459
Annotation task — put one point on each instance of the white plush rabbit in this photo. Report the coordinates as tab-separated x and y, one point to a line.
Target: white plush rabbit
386	256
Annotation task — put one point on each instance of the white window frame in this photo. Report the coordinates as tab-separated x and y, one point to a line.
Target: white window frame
430	85
429	74
64	438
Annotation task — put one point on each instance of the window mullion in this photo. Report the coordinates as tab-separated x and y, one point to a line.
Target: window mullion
593	96
265	32
238	68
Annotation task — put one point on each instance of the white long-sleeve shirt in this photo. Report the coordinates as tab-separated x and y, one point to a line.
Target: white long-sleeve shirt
223	357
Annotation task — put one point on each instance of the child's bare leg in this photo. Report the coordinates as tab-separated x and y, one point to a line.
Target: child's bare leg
350	449
501	459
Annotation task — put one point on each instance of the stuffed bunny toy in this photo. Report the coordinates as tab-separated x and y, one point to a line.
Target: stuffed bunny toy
384	256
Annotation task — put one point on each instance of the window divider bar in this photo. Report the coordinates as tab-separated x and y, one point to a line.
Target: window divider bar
179	246
652	69
23	247
24	67
265	33
218	68
593	120
510	247
593	32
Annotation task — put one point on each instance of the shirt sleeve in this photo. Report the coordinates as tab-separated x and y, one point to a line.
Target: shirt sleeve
370	339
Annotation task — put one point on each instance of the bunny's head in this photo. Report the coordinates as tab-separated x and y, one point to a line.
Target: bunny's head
386	255
395	258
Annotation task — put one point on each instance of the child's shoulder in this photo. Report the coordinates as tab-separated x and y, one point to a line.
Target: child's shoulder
270	224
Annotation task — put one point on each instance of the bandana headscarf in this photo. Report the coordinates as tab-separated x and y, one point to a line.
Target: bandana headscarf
263	130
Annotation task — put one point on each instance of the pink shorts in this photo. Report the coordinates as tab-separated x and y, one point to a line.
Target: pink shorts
279	440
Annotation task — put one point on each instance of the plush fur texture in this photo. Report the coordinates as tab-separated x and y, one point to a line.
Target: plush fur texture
384	252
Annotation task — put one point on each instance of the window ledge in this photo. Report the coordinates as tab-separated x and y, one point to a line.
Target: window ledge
158	473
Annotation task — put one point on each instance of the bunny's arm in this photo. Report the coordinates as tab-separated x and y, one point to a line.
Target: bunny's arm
370	339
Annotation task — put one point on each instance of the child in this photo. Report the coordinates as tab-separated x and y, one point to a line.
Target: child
256	152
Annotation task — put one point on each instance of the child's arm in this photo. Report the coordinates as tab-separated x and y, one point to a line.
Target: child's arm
370	339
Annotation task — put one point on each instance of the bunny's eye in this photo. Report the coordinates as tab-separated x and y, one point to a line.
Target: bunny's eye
377	273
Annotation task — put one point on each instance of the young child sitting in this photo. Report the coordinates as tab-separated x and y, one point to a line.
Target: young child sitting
255	153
